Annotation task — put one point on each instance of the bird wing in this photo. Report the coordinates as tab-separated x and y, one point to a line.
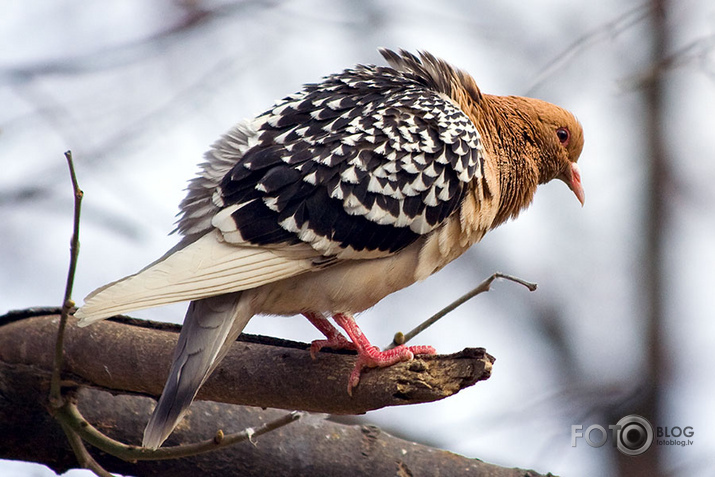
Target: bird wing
358	166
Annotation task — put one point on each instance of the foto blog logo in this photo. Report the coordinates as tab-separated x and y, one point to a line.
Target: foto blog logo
632	435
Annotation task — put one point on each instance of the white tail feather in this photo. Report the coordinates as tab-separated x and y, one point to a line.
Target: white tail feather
204	268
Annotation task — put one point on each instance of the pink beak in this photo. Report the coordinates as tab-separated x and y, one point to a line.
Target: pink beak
572	178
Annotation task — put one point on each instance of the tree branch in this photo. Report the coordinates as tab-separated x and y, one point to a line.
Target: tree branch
131	356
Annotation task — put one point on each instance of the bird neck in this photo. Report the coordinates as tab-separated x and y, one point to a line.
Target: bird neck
509	139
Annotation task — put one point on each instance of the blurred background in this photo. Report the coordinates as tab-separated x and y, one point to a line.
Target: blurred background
622	321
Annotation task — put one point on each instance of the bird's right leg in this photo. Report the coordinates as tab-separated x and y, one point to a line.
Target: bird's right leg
334	340
370	356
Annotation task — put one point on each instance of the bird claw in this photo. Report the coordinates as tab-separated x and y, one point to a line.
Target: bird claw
372	357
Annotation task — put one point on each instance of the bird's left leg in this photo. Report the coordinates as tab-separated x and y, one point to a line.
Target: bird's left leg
334	339
370	356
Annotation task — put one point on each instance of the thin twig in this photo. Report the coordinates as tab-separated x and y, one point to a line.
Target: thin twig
697	50
70	416
57	401
67	303
401	338
84	458
613	28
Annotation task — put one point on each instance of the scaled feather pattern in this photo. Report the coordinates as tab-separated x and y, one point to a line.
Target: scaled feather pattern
337	196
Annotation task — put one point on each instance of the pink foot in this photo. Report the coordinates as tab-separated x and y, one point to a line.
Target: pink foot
370	356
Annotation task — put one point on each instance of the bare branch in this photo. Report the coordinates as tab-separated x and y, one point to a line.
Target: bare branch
129	356
67	303
57	400
401	338
696	52
611	29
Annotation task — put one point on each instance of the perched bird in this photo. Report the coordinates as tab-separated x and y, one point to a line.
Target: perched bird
335	197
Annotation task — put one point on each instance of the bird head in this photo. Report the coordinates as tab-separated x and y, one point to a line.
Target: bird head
536	142
561	138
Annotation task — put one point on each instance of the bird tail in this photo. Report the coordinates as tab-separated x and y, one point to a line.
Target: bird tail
210	327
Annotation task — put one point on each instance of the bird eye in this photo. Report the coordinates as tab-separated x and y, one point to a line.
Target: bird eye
564	135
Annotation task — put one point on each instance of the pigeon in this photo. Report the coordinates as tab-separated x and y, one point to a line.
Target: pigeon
345	192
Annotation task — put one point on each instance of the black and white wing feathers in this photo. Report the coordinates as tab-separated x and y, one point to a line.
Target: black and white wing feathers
357	166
